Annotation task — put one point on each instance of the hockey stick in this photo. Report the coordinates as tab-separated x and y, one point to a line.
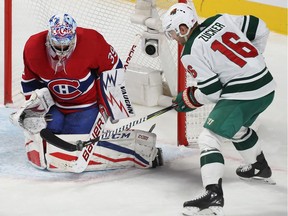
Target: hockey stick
47	135
132	51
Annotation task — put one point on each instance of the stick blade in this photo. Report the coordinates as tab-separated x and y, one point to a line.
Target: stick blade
50	137
152	128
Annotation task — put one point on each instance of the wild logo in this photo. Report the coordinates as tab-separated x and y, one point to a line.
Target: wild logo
174	11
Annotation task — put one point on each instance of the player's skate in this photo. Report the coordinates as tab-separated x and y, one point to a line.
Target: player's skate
210	203
158	161
259	171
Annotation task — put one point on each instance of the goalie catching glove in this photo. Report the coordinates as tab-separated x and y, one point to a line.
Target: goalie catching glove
185	101
32	115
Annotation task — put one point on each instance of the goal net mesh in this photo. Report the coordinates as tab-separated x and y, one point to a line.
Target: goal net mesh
112	19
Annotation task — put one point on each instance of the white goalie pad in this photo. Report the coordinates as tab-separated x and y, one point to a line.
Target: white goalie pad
59	160
115	95
35	148
31	115
128	148
122	150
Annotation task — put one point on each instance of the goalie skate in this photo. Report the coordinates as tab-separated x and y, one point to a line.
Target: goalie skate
158	161
209	204
256	172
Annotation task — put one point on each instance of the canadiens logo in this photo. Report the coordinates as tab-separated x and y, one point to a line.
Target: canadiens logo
61	31
65	89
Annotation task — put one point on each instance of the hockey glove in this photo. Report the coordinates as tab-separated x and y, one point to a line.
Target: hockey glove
186	101
32	115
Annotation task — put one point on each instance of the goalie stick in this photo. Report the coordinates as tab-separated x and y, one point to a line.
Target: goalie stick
47	135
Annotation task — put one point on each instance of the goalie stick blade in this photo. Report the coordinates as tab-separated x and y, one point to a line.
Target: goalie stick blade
152	128
50	137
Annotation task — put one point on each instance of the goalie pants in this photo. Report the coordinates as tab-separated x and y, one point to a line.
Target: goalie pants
73	123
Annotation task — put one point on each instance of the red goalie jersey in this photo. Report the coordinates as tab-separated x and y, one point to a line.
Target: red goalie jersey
71	80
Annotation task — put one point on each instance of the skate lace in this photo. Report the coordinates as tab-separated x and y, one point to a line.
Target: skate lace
201	196
245	168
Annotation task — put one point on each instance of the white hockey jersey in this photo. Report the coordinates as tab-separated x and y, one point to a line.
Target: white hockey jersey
224	56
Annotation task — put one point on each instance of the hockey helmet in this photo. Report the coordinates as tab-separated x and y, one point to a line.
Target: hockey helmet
177	15
62	34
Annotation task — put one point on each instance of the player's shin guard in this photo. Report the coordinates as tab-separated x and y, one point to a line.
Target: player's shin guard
246	143
256	165
211	158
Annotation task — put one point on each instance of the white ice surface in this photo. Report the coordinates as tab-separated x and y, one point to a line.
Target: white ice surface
26	191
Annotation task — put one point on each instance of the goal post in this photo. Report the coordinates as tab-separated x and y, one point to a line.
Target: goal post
112	18
8	52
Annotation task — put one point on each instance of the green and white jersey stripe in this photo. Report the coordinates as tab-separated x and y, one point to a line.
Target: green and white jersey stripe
249	26
227	64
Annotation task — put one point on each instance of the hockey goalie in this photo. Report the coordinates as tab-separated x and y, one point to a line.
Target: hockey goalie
74	83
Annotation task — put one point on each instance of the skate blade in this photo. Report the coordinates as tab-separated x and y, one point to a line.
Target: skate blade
211	211
260	180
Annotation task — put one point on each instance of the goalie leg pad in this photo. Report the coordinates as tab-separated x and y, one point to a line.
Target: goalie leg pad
122	150
128	148
59	160
145	146
35	150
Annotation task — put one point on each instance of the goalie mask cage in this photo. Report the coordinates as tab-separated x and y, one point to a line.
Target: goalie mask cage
111	18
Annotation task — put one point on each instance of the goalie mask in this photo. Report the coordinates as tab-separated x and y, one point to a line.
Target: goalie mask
177	15
62	34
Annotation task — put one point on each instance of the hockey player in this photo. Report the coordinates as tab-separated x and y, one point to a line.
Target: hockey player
224	56
73	82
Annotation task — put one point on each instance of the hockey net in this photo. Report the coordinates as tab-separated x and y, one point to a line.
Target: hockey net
112	19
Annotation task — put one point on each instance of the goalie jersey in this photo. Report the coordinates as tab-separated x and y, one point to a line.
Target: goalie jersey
72	83
224	56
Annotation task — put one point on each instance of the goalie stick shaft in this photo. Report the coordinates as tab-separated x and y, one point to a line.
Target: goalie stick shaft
60	143
132	51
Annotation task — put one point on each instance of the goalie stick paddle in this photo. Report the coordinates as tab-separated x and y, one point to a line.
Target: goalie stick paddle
53	139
